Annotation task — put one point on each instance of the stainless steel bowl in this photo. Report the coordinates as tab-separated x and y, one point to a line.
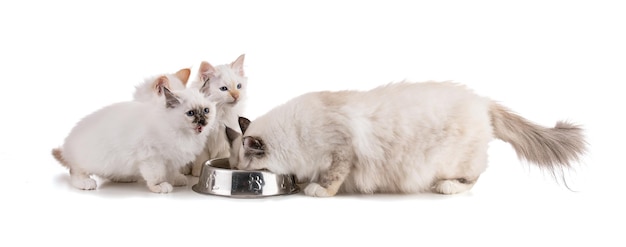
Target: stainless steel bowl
216	178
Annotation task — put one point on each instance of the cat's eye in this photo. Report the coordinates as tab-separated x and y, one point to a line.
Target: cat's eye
223	88
239	86
206	110
190	113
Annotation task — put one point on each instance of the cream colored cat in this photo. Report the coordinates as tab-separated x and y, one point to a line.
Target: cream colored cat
398	138
226	85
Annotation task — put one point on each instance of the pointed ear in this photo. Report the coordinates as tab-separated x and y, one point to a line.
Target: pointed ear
243	124
253	146
183	75
237	65
205	88
171	101
231	135
160	83
205	71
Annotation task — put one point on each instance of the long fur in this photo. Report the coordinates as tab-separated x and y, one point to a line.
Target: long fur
230	105
134	140
398	138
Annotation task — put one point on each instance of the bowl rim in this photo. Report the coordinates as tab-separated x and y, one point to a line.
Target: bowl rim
210	164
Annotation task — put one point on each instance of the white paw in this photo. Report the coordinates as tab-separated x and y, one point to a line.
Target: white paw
316	190
84	183
179	180
449	187
164	187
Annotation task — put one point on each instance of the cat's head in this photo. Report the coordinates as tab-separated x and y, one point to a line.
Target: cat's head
226	83
191	105
150	89
250	152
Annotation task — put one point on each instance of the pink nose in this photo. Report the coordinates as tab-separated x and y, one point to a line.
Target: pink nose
234	94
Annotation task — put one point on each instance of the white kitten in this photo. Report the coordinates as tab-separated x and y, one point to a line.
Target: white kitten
130	140
398	138
227	86
149	90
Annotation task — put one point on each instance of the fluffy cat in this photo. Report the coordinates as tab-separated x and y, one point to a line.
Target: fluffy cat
130	140
150	90
398	138
227	85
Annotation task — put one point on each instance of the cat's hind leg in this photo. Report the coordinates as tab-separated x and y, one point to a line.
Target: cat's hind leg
155	174
78	178
461	176
453	186
82	180
331	180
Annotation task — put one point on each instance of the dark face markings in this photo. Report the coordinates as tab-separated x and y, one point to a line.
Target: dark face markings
199	115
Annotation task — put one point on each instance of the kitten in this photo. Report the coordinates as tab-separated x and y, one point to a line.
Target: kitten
227	85
130	140
398	138
150	90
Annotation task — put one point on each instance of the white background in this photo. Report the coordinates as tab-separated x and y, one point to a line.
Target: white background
547	60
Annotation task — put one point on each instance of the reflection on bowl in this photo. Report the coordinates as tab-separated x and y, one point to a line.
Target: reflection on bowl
216	178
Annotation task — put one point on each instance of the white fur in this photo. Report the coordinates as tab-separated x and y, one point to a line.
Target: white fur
400	137
145	91
229	108
131	140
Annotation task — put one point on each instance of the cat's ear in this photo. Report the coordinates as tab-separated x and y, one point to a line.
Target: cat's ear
183	75
253	146
205	71
231	135
160	83
171	101
243	124
237	65
205	88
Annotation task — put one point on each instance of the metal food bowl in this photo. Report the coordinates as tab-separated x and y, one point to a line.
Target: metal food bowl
216	178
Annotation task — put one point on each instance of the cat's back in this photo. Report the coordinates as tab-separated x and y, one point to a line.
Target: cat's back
114	117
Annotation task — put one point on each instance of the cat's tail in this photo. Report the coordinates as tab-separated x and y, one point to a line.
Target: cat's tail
57	153
550	148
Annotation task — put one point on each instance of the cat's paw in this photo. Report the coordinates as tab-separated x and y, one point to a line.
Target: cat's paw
163	187
186	170
196	169
84	183
179	180
316	190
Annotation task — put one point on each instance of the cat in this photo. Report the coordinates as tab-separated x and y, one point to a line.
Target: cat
227	86
133	140
402	137
150	90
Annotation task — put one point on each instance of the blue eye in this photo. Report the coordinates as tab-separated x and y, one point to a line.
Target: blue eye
223	88
190	113
206	110
239	86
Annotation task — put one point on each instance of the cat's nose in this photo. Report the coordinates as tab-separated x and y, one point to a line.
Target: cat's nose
235	95
202	122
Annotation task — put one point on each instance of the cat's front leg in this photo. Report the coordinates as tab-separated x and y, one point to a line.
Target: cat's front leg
155	174
196	167
331	180
178	179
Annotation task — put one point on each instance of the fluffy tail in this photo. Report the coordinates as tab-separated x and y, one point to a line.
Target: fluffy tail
58	155
549	148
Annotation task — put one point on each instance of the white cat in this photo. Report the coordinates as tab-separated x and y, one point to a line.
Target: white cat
149	90
227	86
127	141
398	138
